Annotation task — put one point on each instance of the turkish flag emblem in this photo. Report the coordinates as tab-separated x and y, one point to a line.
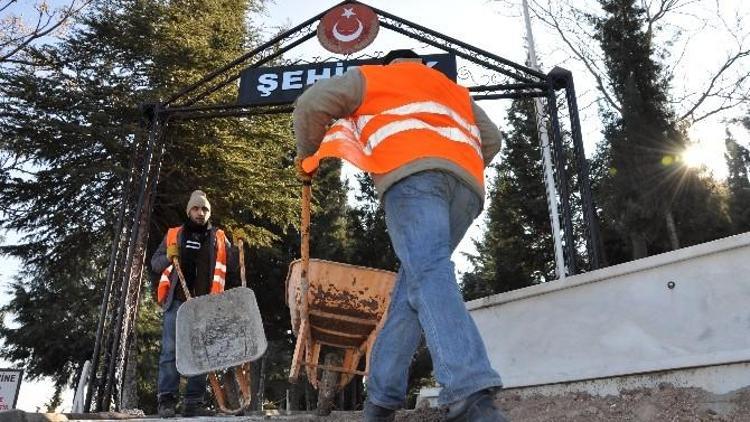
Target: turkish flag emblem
348	28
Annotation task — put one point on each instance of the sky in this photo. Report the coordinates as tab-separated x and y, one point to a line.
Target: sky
498	28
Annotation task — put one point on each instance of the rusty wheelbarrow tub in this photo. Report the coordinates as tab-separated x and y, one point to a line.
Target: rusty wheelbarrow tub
336	306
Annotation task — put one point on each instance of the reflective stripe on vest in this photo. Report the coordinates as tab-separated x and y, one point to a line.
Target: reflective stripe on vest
382	136
163	290
220	269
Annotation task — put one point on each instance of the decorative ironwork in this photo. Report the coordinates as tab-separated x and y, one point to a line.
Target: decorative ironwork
514	71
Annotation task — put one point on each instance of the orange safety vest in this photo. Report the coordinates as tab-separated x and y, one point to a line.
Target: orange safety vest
408	112
220	269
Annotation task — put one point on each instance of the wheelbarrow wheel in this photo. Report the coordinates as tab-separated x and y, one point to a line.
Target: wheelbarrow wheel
329	382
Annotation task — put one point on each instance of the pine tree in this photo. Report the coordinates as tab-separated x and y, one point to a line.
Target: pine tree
516	248
328	221
68	130
738	183
368	241
650	198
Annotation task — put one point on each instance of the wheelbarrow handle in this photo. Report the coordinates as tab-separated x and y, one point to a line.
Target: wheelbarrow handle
241	247
305	247
305	227
181	277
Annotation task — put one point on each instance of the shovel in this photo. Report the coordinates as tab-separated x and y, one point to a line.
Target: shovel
218	331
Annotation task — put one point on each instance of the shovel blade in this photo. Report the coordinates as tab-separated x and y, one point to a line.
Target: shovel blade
219	331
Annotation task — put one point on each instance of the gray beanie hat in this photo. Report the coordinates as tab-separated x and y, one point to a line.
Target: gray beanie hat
198	199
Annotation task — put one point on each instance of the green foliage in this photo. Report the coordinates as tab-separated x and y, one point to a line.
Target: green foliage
49	330
645	182
516	249
368	241
328	221
738	184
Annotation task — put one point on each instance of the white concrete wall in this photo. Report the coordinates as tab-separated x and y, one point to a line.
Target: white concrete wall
624	319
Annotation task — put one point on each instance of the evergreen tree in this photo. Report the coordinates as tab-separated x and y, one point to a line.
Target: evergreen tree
649	197
67	133
516	249
368	241
738	183
328	221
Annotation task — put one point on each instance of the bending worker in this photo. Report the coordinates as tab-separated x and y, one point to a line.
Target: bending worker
426	144
205	255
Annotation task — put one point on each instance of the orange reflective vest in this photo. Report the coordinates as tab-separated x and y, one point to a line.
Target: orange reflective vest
220	269
408	112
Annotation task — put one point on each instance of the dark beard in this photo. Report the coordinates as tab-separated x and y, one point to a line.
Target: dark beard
195	227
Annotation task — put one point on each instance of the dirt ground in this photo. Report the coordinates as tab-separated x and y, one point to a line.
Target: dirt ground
664	404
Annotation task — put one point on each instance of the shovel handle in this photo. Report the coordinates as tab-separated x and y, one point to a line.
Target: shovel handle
181	276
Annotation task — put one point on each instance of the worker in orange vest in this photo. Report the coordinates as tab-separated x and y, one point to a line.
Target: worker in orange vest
426	144
205	255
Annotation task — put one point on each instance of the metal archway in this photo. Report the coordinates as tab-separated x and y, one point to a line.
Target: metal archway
508	80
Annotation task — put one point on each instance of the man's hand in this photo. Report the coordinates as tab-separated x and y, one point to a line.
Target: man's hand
173	251
302	175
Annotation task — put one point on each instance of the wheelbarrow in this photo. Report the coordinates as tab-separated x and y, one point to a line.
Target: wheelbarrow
218	332
336	306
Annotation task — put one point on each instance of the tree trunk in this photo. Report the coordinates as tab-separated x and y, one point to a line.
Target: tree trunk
638	243
672	230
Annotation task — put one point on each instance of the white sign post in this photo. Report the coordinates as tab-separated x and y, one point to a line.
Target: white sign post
10	384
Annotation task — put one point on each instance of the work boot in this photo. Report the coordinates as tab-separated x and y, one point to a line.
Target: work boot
196	409
375	413
478	407
167	405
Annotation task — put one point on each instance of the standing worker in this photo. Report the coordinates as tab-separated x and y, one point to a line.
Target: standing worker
426	144
204	254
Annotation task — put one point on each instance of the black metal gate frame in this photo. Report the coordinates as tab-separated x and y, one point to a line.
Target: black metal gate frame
184	105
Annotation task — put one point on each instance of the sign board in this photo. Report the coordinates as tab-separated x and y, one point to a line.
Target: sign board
10	384
282	85
348	28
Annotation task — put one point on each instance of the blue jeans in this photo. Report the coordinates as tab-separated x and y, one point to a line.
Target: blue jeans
427	214
169	378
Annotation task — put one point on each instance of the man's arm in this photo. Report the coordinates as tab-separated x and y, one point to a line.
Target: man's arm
326	100
490	134
159	261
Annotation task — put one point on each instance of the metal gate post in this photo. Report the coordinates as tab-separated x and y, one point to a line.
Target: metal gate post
564	79
154	134
561	173
93	379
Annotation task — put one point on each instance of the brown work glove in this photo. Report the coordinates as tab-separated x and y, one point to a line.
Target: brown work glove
302	175
173	251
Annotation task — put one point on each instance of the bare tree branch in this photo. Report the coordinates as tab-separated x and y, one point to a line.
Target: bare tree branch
6	5
725	87
16	37
709	91
546	15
